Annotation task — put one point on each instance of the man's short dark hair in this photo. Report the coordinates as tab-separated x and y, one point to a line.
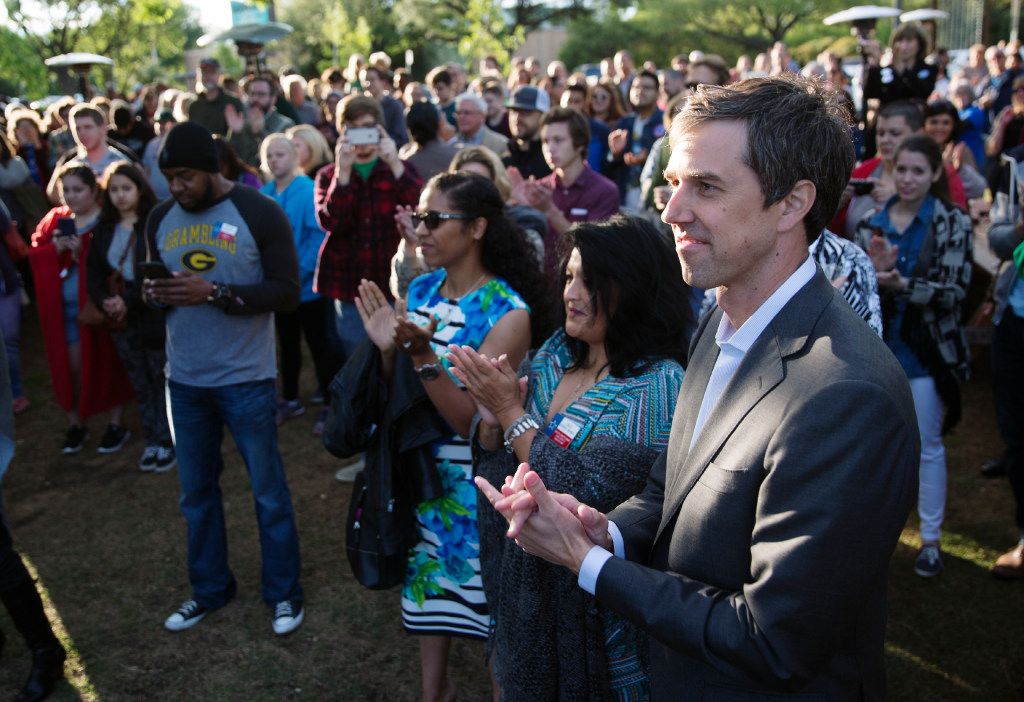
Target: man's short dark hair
86	111
422	120
796	130
579	128
648	74
439	75
492	87
269	78
909	111
354	106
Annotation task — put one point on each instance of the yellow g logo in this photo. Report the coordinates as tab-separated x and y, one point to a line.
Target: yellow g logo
198	260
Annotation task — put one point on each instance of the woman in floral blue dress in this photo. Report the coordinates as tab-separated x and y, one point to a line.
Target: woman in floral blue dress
485	293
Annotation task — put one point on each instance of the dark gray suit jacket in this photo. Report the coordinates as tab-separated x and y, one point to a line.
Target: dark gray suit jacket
757	562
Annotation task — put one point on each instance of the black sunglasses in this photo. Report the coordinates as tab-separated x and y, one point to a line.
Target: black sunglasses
693	85
432	220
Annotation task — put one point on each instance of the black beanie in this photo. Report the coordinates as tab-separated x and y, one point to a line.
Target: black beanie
189	145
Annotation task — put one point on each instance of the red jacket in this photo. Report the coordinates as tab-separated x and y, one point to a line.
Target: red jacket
864	170
104	383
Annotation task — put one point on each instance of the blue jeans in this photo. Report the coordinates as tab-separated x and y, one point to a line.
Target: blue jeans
346	331
10	325
198	416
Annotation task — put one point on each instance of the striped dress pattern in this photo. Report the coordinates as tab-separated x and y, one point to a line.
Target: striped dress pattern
443	594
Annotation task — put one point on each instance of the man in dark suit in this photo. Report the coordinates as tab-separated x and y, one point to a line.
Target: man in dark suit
756	558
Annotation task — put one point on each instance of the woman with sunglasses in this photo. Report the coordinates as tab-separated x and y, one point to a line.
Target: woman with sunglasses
486	292
596	412
605	104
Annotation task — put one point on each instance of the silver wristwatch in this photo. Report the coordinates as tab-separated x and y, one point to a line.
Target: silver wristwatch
517	428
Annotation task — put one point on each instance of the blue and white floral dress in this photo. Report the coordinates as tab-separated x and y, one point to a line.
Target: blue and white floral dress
443	594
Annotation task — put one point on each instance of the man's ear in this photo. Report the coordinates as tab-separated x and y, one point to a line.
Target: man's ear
796	204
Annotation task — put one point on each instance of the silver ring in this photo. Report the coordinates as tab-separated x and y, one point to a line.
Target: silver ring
407	345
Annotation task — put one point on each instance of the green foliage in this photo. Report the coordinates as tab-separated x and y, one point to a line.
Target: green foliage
328	31
487	32
660	29
145	38
23	73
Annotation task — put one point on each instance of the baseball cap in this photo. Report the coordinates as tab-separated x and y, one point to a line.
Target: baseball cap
210	62
528	97
166	116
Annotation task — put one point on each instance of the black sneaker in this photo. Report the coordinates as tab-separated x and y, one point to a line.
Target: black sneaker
188	615
288	615
113	439
75	439
165	459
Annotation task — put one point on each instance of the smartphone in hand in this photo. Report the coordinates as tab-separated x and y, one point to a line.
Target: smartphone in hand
152	270
65	227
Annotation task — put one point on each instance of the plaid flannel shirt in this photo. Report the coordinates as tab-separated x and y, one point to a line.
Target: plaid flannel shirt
359	219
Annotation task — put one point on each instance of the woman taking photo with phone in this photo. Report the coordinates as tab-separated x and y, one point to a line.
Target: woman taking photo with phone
87	375
485	292
920	244
114	284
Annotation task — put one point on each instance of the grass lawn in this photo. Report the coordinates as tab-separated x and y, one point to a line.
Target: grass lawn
108	545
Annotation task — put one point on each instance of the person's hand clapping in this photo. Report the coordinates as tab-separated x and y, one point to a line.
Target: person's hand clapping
492	383
551	531
403	220
883	191
234	119
377	315
883	254
409	336
617	140
538	195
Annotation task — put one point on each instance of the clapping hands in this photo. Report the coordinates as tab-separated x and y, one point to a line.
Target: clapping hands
550	525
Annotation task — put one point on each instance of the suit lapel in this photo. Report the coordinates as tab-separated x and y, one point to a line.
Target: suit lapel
760	371
695	382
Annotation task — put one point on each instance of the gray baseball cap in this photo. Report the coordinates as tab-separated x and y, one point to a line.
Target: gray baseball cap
529	97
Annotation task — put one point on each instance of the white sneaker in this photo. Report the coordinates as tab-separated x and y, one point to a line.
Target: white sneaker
288	615
347	474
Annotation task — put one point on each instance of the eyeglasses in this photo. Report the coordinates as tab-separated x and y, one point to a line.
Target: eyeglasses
693	85
466	113
432	220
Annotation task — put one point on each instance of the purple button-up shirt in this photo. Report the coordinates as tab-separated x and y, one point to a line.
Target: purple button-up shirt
591	198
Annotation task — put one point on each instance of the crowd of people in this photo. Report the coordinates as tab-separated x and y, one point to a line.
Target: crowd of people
571	294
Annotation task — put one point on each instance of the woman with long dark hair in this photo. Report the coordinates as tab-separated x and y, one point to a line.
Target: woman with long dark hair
595	414
118	245
920	244
87	375
486	292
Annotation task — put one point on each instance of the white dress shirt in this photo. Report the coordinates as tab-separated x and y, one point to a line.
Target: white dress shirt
733	345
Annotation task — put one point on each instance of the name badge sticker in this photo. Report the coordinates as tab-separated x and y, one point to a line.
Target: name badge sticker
562	430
